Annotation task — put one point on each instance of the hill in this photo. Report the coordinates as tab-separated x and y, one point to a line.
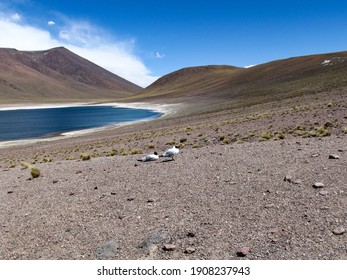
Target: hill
56	75
225	85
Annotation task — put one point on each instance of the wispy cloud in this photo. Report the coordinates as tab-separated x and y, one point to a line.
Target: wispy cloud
159	55
16	17
81	37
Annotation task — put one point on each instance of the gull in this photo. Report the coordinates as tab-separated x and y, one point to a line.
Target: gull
171	152
150	157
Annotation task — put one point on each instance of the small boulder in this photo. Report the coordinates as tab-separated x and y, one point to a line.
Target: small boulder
318	185
334	156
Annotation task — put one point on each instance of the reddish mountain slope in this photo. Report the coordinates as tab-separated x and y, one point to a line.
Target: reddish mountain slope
57	75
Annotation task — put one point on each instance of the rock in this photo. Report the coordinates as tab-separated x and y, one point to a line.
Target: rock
288	178
191	234
334	156
130	198
55	181
150	200
323	192
107	251
78	172
318	185
297	182
271	205
189	250
169	247
339	231
9	192
243	252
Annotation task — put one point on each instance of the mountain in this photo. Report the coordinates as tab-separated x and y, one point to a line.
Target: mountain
57	75
227	85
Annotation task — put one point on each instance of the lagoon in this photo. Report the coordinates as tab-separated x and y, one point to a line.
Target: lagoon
22	124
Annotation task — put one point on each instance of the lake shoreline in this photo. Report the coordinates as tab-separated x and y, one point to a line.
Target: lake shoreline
163	109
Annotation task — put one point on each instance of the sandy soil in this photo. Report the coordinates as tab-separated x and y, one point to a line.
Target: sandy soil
227	190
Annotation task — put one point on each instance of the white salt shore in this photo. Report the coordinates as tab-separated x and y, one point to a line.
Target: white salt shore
164	109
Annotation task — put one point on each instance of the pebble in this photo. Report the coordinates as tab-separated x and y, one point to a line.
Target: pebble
323	192
189	250
334	156
339	231
9	192
169	247
243	252
271	205
318	185
191	234
55	181
130	198
150	200
288	179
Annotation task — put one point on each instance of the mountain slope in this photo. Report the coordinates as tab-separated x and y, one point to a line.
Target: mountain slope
57	75
270	81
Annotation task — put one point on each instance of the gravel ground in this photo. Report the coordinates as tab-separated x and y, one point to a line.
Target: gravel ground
209	203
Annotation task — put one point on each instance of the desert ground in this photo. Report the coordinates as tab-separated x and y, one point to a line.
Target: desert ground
264	181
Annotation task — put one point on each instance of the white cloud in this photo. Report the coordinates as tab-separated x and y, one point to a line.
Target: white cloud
81	38
16	17
51	22
159	55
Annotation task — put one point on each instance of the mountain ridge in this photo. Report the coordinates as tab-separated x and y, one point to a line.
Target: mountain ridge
57	74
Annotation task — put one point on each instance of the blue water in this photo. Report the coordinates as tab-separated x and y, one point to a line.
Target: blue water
41	123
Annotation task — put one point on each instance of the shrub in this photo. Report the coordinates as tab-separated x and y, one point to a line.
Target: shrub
25	164
182	140
85	156
322	131
266	135
226	141
111	153
279	135
151	146
34	171
136	151
221	137
328	124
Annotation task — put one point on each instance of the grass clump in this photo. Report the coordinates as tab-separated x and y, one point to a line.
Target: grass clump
266	135
328	124
123	152
182	140
279	135
25	164
136	151
111	153
226	141
151	146
34	171
322	132
344	129
85	156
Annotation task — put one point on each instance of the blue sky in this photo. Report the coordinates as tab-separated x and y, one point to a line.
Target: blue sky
143	40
